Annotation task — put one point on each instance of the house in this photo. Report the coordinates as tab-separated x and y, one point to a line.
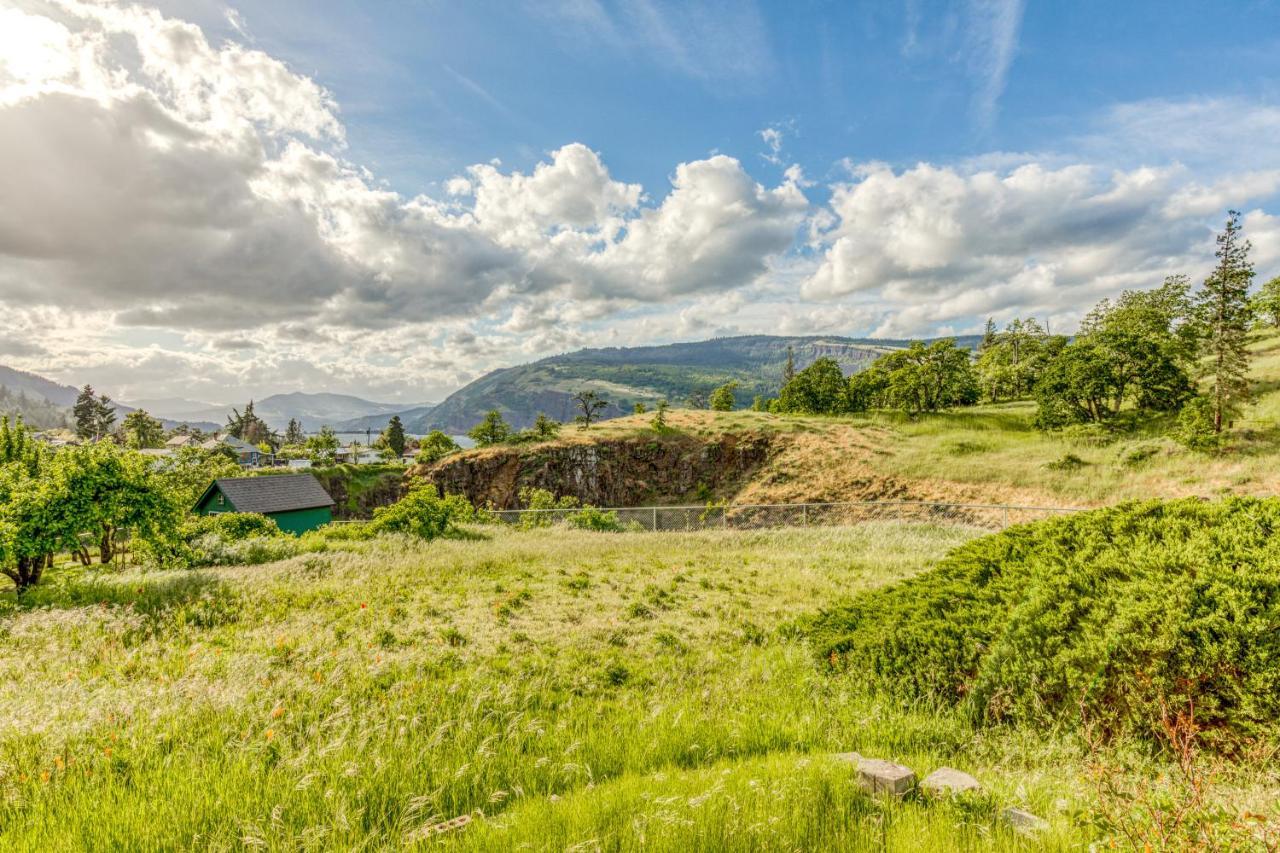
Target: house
358	454
180	441
246	454
297	502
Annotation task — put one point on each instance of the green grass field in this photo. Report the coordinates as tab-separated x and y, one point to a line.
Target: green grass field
566	690
556	689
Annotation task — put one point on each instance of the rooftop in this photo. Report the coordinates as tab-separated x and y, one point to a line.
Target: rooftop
271	493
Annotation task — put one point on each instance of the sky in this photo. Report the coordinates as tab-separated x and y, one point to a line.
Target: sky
215	202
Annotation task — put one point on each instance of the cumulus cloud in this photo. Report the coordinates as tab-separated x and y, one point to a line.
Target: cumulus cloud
187	185
941	244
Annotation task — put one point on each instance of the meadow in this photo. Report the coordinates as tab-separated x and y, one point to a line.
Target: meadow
562	689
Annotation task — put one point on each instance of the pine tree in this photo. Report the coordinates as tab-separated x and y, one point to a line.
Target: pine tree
1224	314
293	434
789	368
988	335
104	417
85	412
394	436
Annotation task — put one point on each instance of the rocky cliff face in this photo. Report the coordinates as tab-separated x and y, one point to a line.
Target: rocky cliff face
630	471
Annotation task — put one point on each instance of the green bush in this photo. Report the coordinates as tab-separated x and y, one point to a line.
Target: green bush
592	518
422	513
1067	462
1195	430
230	525
1110	617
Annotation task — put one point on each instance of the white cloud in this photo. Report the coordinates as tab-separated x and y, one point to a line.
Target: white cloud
940	245
992	34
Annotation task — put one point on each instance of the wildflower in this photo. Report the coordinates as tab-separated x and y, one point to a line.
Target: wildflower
107	752
58	762
363	605
44	775
271	733
277	712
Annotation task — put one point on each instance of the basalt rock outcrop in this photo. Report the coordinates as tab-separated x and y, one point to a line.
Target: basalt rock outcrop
622	471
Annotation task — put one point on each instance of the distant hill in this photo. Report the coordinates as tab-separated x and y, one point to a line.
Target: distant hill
313	411
45	403
419	414
37	386
628	375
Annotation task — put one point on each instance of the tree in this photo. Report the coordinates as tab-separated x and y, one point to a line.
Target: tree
293	433
248	427
490	431
590	404
545	429
639	408
394	436
1010	362
85	412
988	335
104	417
434	446
1094	377
141	430
819	389
185	475
659	422
789	366
1266	302
1223	311
322	446
928	378
722	399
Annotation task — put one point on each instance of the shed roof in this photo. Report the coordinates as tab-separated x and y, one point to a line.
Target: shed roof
272	493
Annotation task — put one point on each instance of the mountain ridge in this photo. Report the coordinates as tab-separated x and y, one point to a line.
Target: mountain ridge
646	374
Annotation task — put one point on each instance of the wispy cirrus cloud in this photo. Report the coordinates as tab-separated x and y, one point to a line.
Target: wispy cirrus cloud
991	33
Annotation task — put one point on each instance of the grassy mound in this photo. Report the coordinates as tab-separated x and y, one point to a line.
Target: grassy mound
1124	616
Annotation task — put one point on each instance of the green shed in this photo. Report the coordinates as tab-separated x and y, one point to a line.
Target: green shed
297	502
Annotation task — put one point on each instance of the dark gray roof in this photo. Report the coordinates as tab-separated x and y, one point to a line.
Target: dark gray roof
273	492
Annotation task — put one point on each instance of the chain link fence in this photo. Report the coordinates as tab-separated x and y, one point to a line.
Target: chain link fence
764	516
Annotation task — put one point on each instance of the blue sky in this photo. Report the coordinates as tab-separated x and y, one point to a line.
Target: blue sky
221	200
428	88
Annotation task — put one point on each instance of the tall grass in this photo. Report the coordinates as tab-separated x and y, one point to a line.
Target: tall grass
560	688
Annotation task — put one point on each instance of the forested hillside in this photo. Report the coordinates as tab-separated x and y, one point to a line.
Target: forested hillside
684	373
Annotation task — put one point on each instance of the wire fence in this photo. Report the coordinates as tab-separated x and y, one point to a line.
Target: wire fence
764	516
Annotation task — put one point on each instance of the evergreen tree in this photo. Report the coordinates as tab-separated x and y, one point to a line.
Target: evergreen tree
141	430
293	434
988	335
1224	313
104	417
85	412
660	417
394	436
248	427
789	368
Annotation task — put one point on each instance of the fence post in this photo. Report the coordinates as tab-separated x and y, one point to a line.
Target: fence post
1005	510
804	515
655	519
